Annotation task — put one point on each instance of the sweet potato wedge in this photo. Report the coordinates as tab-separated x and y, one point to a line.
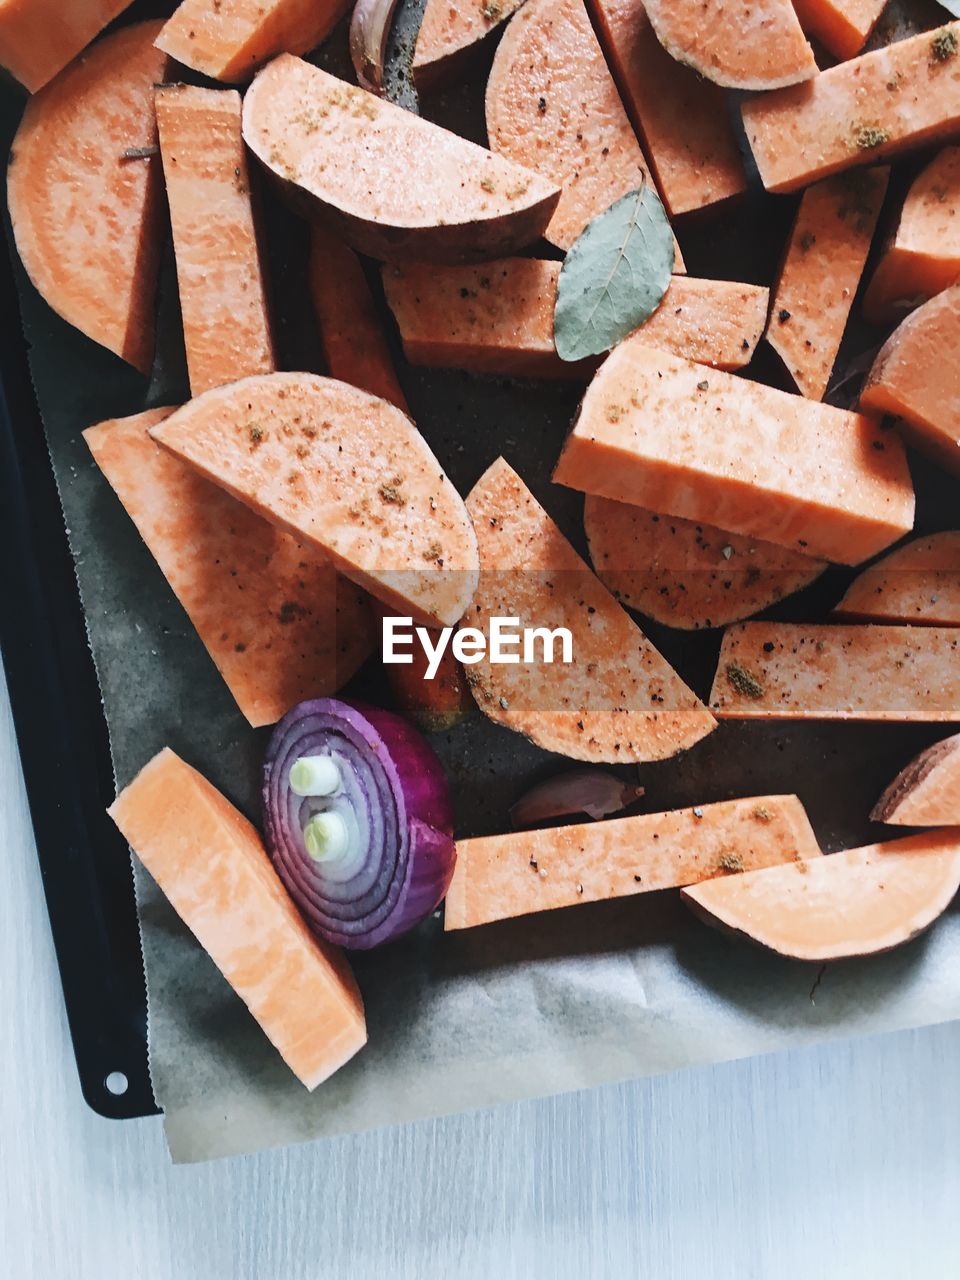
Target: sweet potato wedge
918	583
858	112
590	707
794	671
680	118
354	344
842	26
229	39
346	473
658	432
211	864
223	298
686	574
915	377
926	792
854	903
498	877
498	318
87	219
821	272
39	37
329	144
302	631
450	33
923	256
741	46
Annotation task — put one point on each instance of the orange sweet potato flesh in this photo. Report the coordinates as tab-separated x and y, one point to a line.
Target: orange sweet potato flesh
923	257
354	344
347	474
229	39
681	118
617	699
223	298
658	432
211	864
498	877
746	45
687	574
858	112
793	671
498	318
87	222
842	26
450	33
392	185
918	583
926	793
915	377
854	903
302	631
39	37
821	272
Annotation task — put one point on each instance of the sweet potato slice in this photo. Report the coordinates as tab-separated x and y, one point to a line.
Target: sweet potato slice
616	698
859	112
39	37
223	297
354	344
917	583
450	33
346	473
923	257
686	574
915	377
842	26
659	432
821	272
791	671
926	793
302	631
498	318
740	46
211	864
498	877
680	117
85	203
330	146
229	39
854	903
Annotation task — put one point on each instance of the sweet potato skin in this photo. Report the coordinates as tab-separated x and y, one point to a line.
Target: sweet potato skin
926	792
918	583
39	37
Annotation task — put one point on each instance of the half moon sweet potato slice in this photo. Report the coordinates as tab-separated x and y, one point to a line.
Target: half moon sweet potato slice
919	583
926	793
39	37
450	33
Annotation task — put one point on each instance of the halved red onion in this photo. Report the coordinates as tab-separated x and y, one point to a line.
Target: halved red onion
369	33
594	792
358	821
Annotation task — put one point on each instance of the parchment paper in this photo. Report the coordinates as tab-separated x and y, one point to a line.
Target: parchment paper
533	1006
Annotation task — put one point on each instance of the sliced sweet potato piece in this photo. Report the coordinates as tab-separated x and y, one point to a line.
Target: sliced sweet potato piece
223	298
741	46
83	189
616	698
680	118
331	145
854	903
842	26
915	377
450	33
686	574
39	37
793	671
302	630
659	432
211	864
354	344
926	793
918	583
821	272
346	473
229	39
859	112
498	877
923	256
498	318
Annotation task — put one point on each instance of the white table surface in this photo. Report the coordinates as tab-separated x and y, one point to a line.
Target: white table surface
836	1162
